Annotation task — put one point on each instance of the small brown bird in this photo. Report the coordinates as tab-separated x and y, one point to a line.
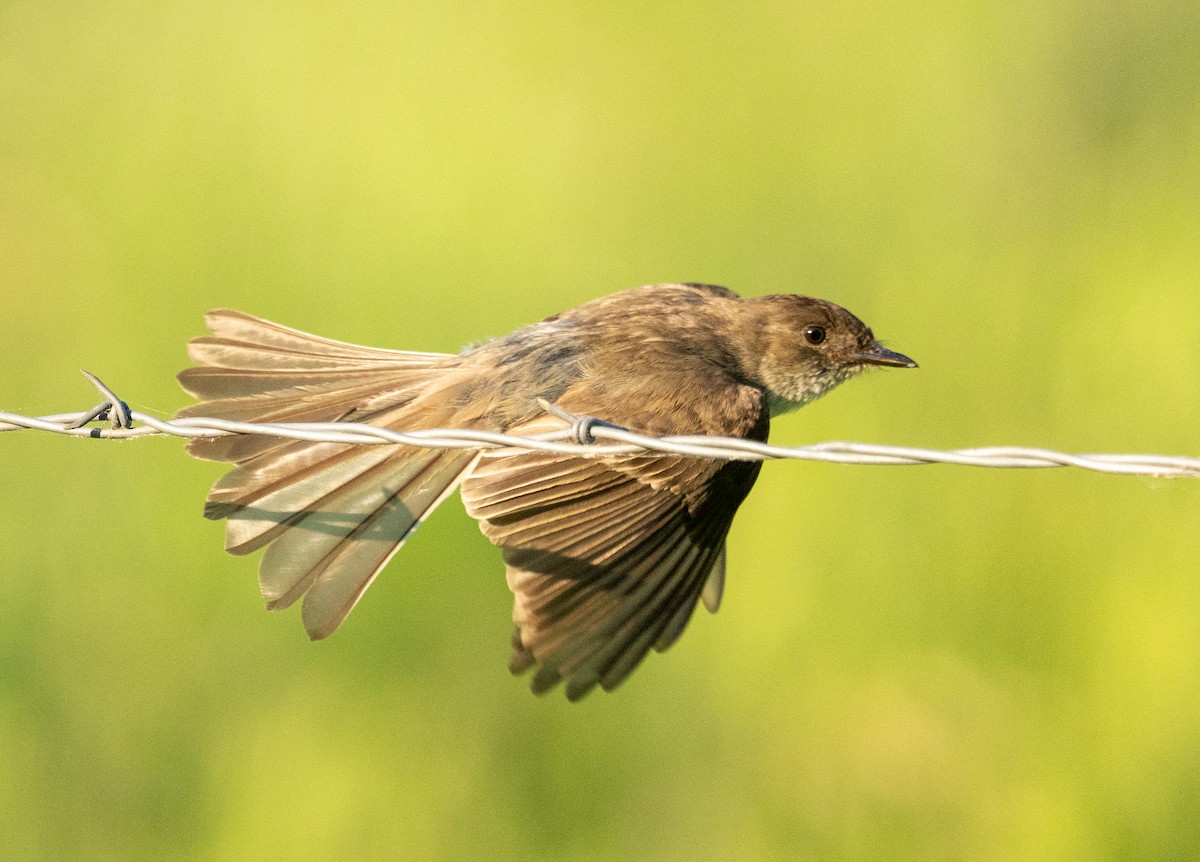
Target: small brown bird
606	556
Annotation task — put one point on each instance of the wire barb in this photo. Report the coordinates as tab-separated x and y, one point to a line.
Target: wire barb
581	426
587	437
113	409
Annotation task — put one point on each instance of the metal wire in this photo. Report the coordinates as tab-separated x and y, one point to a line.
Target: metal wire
581	439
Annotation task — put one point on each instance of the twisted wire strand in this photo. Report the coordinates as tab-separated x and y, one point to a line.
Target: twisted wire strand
583	438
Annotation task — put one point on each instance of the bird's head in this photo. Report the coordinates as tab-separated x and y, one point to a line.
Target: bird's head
805	347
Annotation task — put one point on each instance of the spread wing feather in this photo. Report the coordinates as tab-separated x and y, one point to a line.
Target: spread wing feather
606	557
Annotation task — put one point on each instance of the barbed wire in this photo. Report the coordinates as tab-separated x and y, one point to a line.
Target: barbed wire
582	438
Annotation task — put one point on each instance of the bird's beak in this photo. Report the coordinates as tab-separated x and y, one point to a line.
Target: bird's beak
880	355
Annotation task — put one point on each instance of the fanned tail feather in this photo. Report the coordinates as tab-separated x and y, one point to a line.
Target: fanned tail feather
331	514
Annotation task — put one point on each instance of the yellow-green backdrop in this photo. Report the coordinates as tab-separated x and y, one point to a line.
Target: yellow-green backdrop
911	663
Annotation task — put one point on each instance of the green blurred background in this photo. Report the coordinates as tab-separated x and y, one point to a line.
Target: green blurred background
911	663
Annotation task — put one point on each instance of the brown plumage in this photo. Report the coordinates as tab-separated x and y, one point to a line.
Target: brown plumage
606	557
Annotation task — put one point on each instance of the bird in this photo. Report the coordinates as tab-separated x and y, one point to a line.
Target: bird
606	557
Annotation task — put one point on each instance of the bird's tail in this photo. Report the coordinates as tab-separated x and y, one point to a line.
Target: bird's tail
332	514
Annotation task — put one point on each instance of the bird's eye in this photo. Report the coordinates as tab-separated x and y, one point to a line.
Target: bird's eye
814	334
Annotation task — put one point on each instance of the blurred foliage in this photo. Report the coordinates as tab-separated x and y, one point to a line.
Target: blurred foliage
916	663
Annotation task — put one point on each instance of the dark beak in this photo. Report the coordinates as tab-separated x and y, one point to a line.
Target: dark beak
880	355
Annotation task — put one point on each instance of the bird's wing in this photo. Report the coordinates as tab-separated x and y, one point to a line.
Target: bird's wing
607	557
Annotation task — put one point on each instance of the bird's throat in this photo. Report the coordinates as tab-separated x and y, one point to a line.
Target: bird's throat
802	390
